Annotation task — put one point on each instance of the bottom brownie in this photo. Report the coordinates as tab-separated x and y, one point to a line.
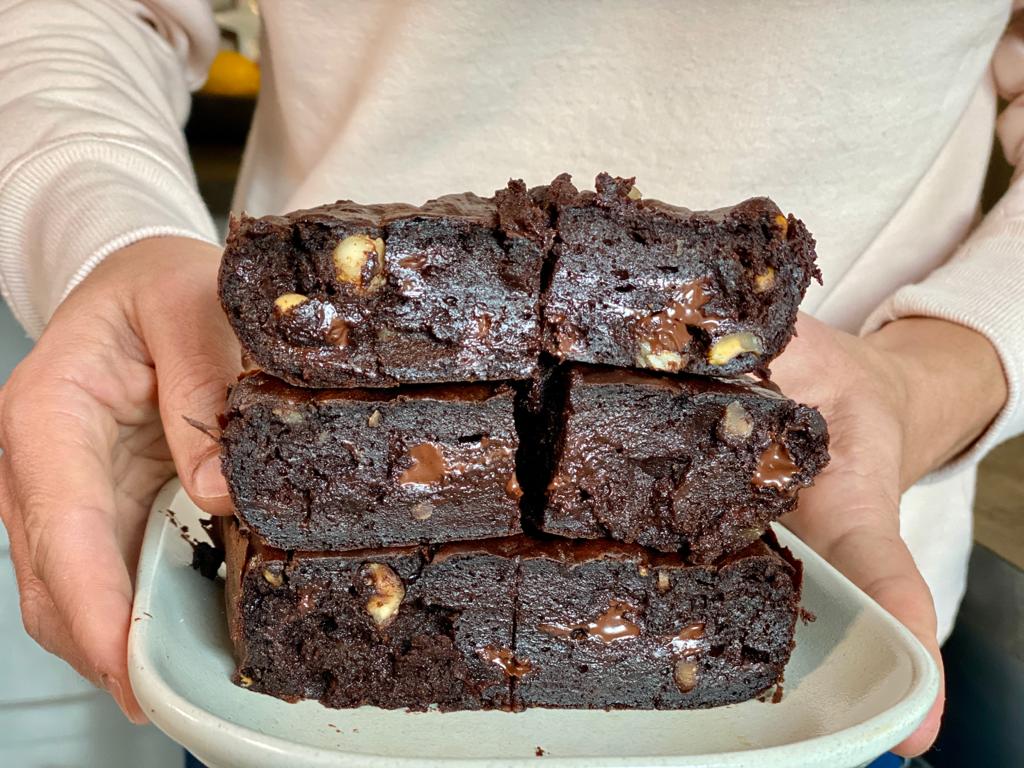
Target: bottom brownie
510	623
386	627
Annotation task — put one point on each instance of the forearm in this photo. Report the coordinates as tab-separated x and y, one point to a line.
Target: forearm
92	97
951	383
958	334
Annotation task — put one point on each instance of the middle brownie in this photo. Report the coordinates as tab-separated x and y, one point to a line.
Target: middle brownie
690	464
344	469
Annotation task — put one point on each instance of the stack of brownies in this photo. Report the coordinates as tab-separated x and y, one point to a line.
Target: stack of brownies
505	452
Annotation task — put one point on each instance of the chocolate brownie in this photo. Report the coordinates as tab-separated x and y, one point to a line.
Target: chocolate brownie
676	463
352	295
354	468
643	283
606	625
373	295
386	627
510	623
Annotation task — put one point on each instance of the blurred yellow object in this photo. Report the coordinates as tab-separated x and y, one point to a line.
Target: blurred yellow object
232	74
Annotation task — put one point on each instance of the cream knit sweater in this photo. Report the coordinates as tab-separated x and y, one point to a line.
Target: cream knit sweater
870	120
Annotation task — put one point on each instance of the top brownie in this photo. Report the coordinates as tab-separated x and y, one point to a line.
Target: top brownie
640	283
466	288
378	295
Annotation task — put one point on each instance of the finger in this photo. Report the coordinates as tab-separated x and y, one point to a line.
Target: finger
898	587
40	616
863	542
196	357
68	524
880	563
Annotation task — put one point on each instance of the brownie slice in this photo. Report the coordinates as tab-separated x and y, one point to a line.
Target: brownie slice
349	295
510	623
347	469
605	625
384	627
646	284
676	463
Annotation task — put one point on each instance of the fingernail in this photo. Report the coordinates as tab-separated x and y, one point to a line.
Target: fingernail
208	482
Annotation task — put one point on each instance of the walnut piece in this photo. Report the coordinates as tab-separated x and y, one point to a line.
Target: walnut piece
388	592
733	344
662	360
286	302
737	422
359	262
422	511
686	675
273	578
289	416
764	281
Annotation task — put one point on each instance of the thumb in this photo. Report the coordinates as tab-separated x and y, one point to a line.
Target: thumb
854	524
196	358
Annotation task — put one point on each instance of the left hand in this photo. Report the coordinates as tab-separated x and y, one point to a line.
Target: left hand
894	415
91	426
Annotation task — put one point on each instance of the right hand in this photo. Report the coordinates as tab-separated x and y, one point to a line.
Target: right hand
900	403
91	426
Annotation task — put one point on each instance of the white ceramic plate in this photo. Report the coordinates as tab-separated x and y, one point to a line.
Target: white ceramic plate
857	684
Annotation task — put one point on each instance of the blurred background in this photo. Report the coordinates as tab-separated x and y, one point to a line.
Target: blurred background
51	717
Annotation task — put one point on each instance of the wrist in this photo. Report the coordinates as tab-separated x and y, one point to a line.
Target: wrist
947	384
138	260
156	271
153	280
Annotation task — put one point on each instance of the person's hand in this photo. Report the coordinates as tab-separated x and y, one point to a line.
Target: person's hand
88	437
895	412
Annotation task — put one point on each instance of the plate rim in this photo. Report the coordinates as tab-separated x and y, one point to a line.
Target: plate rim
184	720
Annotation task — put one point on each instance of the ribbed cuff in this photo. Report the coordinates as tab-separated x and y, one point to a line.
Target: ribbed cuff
68	205
982	288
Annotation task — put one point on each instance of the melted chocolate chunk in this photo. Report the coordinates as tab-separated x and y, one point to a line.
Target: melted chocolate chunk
337	332
416	262
506	661
610	626
775	468
689	641
427	467
669	329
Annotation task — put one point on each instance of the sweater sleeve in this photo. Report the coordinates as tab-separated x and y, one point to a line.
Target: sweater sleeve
982	285
93	96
